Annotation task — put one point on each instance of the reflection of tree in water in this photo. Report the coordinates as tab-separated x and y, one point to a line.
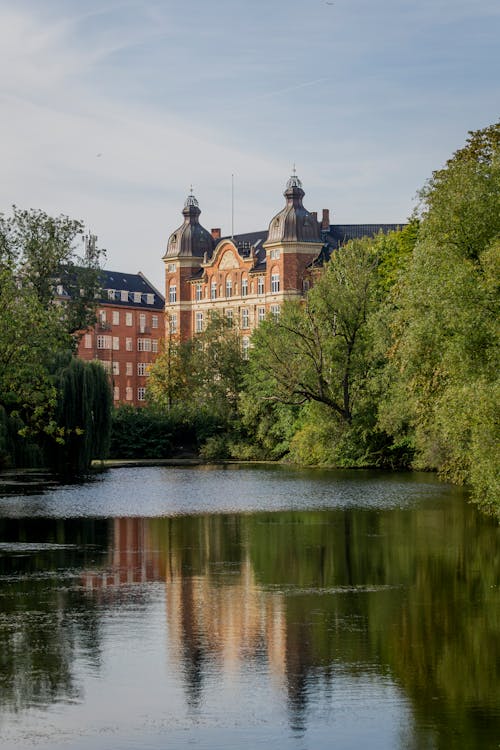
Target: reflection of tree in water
194	656
45	621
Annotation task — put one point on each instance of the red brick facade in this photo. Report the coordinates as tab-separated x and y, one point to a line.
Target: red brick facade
127	336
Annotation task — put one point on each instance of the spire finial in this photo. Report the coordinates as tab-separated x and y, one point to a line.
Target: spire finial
294	181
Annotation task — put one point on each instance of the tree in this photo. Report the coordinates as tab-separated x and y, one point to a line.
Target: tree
318	359
83	416
47	295
443	368
315	350
40	252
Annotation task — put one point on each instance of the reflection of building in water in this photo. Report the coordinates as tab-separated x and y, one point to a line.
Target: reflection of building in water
231	620
218	616
131	558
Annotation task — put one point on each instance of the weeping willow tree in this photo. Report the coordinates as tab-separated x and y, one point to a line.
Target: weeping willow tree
83	416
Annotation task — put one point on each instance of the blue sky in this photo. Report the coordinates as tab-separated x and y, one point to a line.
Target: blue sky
110	110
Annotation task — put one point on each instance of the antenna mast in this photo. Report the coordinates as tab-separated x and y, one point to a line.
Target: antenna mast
232	206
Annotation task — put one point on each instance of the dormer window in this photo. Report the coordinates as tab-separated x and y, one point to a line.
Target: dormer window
174	239
111	293
150	299
137	297
124	295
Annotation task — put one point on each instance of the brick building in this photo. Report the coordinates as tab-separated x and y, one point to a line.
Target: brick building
247	276
126	337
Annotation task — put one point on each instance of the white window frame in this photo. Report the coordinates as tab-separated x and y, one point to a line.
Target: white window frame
260	285
172	294
275	283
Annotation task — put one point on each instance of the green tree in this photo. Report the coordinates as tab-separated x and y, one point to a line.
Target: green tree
38	261
83	416
319	352
41	252
443	368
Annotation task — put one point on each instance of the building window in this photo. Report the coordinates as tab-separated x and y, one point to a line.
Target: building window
261	314
154	345
124	295
101	316
141	368
116	317
172	293
141	394
229	287
171	268
129	368
275	283
244	287
104	342
129	393
106	365
116	393
128	319
142	323
244	318
260	285
143	345
229	317
150	299
87	341
173	323
213	290
111	293
245	347
275	311
305	285
116	368
199	293
137	297
275	254
116	343
198	322
154	321
128	345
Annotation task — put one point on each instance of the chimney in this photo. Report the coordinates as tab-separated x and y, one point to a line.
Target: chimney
325	221
314	214
215	233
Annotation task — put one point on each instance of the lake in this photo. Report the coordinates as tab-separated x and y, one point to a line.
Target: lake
248	607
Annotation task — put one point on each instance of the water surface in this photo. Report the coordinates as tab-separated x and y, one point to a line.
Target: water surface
248	607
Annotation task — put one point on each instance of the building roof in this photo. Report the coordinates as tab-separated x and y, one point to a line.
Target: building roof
294	223
191	239
123	289
339	234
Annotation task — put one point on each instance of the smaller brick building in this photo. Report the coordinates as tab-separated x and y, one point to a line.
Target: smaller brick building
126	337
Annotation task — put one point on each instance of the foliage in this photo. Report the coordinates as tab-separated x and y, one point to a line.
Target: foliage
83	416
443	365
37	256
39	251
140	433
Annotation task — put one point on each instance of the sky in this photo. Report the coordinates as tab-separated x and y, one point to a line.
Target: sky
111	109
